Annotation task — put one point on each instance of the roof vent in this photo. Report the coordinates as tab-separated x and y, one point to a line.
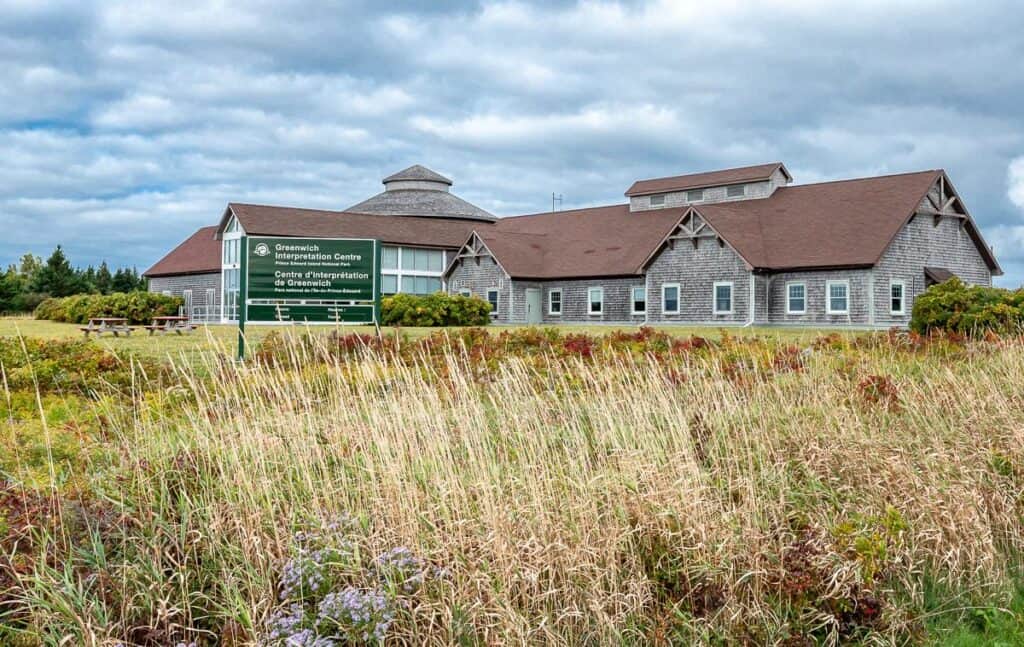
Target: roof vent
416	177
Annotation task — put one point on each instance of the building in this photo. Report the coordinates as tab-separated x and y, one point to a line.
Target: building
733	247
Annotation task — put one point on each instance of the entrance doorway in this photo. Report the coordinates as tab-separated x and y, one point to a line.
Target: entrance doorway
534	315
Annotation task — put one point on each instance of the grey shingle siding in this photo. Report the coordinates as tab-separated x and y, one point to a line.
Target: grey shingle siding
754	190
815	282
478	278
922	244
617	307
198	283
696	270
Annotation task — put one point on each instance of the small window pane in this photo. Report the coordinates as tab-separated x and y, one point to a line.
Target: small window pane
657	200
389	258
639	299
409	284
695	195
723	298
797	298
388	284
433	285
837	297
555	302
671	299
736	191
896	297
435	260
408	259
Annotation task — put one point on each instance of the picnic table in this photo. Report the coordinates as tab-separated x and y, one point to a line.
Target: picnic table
166	324
100	325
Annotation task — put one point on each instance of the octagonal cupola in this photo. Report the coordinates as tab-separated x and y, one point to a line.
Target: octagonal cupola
419	191
416	177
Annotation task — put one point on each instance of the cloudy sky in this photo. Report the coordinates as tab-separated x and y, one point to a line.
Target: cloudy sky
124	126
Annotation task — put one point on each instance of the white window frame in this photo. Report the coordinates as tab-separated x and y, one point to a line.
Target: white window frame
497	299
231	263
828	297
590	302
632	300
702	192
789	308
903	297
400	273
660	197
561	302
465	292
679	292
733	187
714	297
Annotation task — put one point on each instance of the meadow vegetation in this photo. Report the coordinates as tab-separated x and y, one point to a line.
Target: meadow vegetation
516	486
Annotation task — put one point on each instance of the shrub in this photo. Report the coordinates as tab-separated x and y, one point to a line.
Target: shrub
438	309
974	310
137	307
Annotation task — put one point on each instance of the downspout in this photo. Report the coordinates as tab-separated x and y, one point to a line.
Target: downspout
751	297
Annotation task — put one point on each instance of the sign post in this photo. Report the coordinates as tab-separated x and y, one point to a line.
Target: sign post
308	280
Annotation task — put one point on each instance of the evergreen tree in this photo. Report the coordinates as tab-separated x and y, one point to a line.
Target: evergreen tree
29	266
103	279
88	278
11	285
57	278
122	281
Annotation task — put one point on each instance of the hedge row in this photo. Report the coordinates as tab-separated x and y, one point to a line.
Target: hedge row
136	307
438	309
971	310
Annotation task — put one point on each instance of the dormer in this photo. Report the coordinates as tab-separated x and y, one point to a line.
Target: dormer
745	183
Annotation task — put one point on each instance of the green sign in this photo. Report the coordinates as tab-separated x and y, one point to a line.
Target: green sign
311	314
320	269
308	280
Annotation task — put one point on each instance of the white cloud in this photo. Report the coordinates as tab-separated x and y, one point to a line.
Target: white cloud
1015	180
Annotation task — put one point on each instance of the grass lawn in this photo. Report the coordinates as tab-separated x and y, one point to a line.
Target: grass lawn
224	336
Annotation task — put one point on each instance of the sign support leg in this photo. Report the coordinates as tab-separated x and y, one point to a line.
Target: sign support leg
243	294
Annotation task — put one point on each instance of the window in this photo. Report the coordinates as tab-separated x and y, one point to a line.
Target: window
796	298
186	296
595	301
422	260
736	191
465	292
639	294
897	291
838	297
695	196
723	298
492	298
670	298
166	293
420	284
555	301
657	200
410	269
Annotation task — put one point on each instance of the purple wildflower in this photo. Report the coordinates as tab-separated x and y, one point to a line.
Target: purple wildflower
400	567
359	614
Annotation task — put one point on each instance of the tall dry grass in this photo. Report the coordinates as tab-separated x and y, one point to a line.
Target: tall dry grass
571	501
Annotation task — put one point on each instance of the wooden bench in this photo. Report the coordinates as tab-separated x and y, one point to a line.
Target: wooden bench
112	325
165	325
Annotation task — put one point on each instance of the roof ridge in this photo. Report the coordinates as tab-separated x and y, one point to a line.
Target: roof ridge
712	171
861	179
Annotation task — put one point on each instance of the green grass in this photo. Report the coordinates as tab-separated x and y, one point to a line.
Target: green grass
223	337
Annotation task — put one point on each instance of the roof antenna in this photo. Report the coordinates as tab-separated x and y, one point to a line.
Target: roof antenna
554	199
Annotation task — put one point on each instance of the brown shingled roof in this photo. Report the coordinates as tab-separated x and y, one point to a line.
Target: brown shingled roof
198	254
599	241
263	220
847	223
711	178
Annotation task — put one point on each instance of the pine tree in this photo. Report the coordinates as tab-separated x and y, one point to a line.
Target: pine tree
57	278
103	279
